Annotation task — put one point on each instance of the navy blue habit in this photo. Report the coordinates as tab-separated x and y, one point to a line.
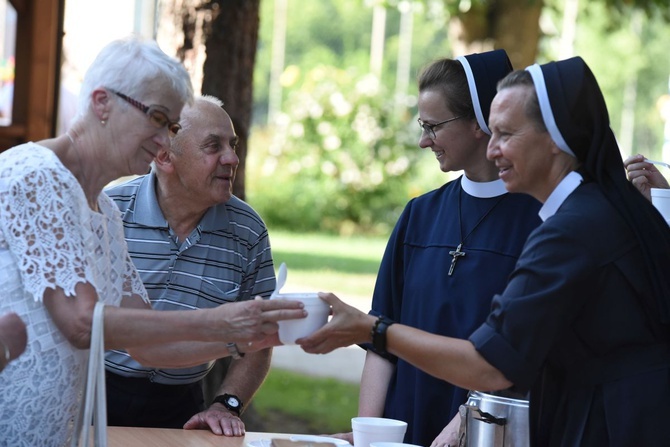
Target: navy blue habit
413	286
584	321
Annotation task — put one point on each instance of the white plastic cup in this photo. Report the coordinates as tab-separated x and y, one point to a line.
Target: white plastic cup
660	197
317	315
368	430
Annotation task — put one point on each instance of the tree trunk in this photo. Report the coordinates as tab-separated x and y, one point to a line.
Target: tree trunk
228	73
513	25
216	40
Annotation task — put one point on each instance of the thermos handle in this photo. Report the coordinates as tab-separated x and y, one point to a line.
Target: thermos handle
488	417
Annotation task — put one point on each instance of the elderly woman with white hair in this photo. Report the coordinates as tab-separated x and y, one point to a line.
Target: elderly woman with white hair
62	248
583	321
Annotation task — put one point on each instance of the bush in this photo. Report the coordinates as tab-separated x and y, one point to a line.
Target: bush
339	160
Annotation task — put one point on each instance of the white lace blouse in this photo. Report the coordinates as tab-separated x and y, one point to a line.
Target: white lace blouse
49	237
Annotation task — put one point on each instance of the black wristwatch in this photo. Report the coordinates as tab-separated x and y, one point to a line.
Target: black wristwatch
379	334
231	402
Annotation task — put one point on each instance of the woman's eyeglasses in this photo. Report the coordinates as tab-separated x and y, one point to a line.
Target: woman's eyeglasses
156	117
429	129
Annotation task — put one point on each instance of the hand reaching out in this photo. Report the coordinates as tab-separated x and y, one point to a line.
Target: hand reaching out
253	321
347	326
448	437
644	175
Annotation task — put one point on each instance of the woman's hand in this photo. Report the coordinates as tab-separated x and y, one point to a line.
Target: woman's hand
448	437
644	175
348	326
254	321
13	338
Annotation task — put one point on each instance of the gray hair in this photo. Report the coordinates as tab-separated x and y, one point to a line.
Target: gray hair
188	114
128	66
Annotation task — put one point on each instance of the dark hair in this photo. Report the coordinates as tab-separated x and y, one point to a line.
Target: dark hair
522	78
448	77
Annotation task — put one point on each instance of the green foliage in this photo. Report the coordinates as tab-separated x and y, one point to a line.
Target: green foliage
333	170
636	52
338	33
339	160
326	404
620	9
342	160
318	33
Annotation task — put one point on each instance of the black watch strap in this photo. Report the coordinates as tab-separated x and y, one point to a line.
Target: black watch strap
231	402
379	334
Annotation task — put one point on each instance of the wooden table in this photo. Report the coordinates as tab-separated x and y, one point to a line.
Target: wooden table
165	437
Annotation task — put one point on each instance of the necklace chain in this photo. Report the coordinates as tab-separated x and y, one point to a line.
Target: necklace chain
459	253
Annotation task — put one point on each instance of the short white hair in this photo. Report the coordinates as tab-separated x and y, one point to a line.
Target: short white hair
129	65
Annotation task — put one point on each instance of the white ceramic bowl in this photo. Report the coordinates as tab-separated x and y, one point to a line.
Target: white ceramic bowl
317	315
368	430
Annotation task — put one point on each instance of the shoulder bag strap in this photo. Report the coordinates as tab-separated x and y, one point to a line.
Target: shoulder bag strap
95	397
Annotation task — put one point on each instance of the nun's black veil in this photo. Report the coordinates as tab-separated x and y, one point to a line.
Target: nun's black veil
581	116
483	71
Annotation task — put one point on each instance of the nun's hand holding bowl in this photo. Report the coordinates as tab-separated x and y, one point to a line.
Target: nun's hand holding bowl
644	175
347	326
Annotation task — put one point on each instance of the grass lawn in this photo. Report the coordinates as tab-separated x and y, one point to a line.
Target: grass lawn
321	406
348	267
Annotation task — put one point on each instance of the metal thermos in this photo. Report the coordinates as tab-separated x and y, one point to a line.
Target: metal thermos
495	421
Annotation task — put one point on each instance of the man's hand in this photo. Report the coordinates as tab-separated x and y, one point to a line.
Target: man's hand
218	419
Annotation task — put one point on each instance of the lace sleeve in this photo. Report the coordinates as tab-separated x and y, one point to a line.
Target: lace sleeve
133	283
41	221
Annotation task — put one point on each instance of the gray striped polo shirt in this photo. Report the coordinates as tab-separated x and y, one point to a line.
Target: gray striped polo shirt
226	258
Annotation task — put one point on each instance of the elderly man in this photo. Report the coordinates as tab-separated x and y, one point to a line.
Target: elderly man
195	245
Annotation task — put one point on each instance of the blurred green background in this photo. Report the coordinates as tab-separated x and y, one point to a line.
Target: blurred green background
339	152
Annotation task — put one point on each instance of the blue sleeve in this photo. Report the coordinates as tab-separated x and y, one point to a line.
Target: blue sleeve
387	297
541	299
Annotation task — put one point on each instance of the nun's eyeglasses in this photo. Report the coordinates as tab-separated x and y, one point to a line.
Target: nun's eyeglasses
156	117
429	129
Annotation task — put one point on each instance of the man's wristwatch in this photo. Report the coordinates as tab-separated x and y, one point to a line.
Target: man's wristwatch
231	402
